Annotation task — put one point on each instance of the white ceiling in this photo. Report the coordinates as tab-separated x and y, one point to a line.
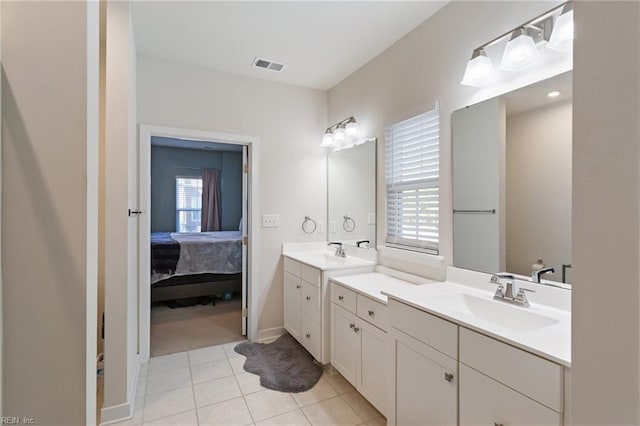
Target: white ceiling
321	42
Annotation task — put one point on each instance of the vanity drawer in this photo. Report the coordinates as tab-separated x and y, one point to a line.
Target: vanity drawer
372	311
292	267
343	297
483	401
310	275
310	336
311	301
529	374
435	332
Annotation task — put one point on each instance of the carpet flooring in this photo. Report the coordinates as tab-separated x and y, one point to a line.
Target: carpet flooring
194	327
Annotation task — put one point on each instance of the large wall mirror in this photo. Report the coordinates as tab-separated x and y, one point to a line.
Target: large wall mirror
352	195
512	181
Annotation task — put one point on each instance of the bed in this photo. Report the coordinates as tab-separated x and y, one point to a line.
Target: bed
195	264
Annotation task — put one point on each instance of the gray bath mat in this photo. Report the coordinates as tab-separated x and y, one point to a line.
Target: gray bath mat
283	365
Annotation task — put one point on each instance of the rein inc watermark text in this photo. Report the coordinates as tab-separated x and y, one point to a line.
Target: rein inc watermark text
16	420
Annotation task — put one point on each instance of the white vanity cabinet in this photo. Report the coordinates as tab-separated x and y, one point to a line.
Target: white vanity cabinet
424	376
306	305
446	374
358	342
503	385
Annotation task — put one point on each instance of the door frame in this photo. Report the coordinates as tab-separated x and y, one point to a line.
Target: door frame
146	132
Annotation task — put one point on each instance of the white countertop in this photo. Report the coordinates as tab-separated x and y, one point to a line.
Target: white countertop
373	284
552	342
326	260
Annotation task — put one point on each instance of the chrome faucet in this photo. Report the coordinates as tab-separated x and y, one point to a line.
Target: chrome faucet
535	275
510	294
339	250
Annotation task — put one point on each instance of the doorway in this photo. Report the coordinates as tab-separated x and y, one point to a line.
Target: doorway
233	287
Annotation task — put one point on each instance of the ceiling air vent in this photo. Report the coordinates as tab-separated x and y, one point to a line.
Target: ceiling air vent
269	65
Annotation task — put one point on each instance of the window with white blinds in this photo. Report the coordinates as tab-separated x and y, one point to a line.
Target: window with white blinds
412	175
188	204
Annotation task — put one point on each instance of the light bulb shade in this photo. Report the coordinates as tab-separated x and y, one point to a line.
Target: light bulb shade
519	52
328	141
352	129
339	134
480	70
562	35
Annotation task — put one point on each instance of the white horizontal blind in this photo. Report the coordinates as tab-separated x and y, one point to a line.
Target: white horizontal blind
412	175
188	204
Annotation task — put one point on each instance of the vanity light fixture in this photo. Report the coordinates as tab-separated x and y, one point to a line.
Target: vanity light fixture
480	69
562	36
341	135
553	94
520	51
522	47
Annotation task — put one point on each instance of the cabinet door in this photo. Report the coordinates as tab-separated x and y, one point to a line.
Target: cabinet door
372	373
345	343
426	385
310	301
292	291
487	402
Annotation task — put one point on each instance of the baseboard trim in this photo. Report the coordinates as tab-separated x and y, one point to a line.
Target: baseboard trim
268	335
124	411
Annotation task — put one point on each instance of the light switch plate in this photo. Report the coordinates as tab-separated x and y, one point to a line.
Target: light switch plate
371	218
270	220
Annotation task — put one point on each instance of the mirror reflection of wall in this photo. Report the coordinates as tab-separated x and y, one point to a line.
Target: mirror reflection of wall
352	195
513	154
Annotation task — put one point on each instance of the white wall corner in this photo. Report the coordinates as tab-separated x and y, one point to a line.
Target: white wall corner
124	411
268	335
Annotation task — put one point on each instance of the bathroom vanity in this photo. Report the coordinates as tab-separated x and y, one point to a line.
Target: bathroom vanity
459	357
306	293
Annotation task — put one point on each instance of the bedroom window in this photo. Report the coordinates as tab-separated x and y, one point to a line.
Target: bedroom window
412	169
188	204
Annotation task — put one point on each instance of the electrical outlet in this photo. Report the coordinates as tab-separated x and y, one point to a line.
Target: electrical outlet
332	226
270	221
320	227
371	218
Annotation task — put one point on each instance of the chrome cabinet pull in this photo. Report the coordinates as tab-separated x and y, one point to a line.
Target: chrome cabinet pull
308	297
371	313
340	298
356	329
308	336
298	286
497	424
448	377
352	325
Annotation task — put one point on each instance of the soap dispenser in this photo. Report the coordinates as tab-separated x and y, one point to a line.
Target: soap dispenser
537	266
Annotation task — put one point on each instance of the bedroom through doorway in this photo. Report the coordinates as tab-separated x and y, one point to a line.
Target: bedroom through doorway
197	211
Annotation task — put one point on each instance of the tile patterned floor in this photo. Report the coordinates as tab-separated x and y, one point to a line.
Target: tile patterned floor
209	387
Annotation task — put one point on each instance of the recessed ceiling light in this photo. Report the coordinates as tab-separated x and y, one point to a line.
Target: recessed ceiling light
553	94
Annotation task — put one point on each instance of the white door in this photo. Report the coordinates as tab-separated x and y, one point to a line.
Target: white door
292	296
479	134
245	237
345	343
133	226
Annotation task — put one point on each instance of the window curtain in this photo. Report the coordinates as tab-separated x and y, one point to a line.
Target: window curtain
211	210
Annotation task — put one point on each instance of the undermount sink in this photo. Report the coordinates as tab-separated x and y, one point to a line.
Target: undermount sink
498	313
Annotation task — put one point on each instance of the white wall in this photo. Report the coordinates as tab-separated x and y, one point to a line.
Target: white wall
289	122
606	214
120	243
49	217
539	188
428	64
